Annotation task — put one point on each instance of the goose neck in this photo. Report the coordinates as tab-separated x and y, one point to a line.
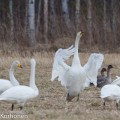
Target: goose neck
109	75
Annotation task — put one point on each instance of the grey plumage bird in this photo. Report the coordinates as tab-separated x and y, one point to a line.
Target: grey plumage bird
103	79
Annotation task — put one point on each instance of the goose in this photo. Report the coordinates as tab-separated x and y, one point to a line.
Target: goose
21	94
73	77
101	81
110	92
6	84
100	77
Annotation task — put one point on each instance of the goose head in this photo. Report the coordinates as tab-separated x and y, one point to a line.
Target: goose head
110	66
103	71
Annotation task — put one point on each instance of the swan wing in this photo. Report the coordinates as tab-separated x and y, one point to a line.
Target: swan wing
18	93
4	85
116	81
92	66
59	67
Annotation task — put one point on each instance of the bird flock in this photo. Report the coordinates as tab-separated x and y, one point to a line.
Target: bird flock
74	78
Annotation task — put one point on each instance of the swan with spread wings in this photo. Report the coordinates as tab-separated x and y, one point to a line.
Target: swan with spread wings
73	77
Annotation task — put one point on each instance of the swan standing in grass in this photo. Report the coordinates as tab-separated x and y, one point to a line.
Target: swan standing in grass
6	84
110	92
74	77
21	94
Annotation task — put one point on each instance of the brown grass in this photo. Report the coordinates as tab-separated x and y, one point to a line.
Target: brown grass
51	103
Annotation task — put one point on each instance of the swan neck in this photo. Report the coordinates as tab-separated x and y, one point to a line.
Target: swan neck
76	60
32	77
12	77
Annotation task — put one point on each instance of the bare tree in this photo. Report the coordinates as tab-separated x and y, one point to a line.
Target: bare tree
31	22
38	17
77	15
66	13
52	21
105	22
89	22
114	17
45	21
11	20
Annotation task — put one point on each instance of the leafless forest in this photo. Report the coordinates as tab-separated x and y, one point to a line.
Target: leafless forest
50	24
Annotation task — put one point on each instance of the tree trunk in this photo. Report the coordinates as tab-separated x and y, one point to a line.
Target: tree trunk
53	22
114	17
11	20
38	18
89	23
31	23
45	21
77	15
105	23
66	13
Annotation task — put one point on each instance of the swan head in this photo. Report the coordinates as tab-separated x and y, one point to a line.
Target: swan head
80	34
17	63
32	61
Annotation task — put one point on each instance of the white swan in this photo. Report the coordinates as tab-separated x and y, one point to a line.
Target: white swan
110	92
21	94
6	84
73	77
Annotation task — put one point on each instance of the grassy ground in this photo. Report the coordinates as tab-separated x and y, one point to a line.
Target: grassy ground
51	103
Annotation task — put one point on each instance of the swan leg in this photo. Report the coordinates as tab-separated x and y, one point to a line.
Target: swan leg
104	105
12	107
116	105
78	97
68	98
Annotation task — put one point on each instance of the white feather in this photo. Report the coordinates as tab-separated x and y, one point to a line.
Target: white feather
20	94
92	66
61	55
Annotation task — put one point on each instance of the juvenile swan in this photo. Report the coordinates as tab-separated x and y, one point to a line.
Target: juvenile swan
21	94
73	77
6	84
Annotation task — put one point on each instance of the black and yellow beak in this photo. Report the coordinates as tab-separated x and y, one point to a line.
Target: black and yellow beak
82	33
20	66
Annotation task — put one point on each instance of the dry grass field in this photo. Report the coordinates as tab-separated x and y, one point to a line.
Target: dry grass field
51	103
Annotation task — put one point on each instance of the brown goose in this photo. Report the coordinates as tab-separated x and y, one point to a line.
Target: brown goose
103	79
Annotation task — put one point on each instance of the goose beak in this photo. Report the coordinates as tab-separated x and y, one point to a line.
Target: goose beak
20	66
